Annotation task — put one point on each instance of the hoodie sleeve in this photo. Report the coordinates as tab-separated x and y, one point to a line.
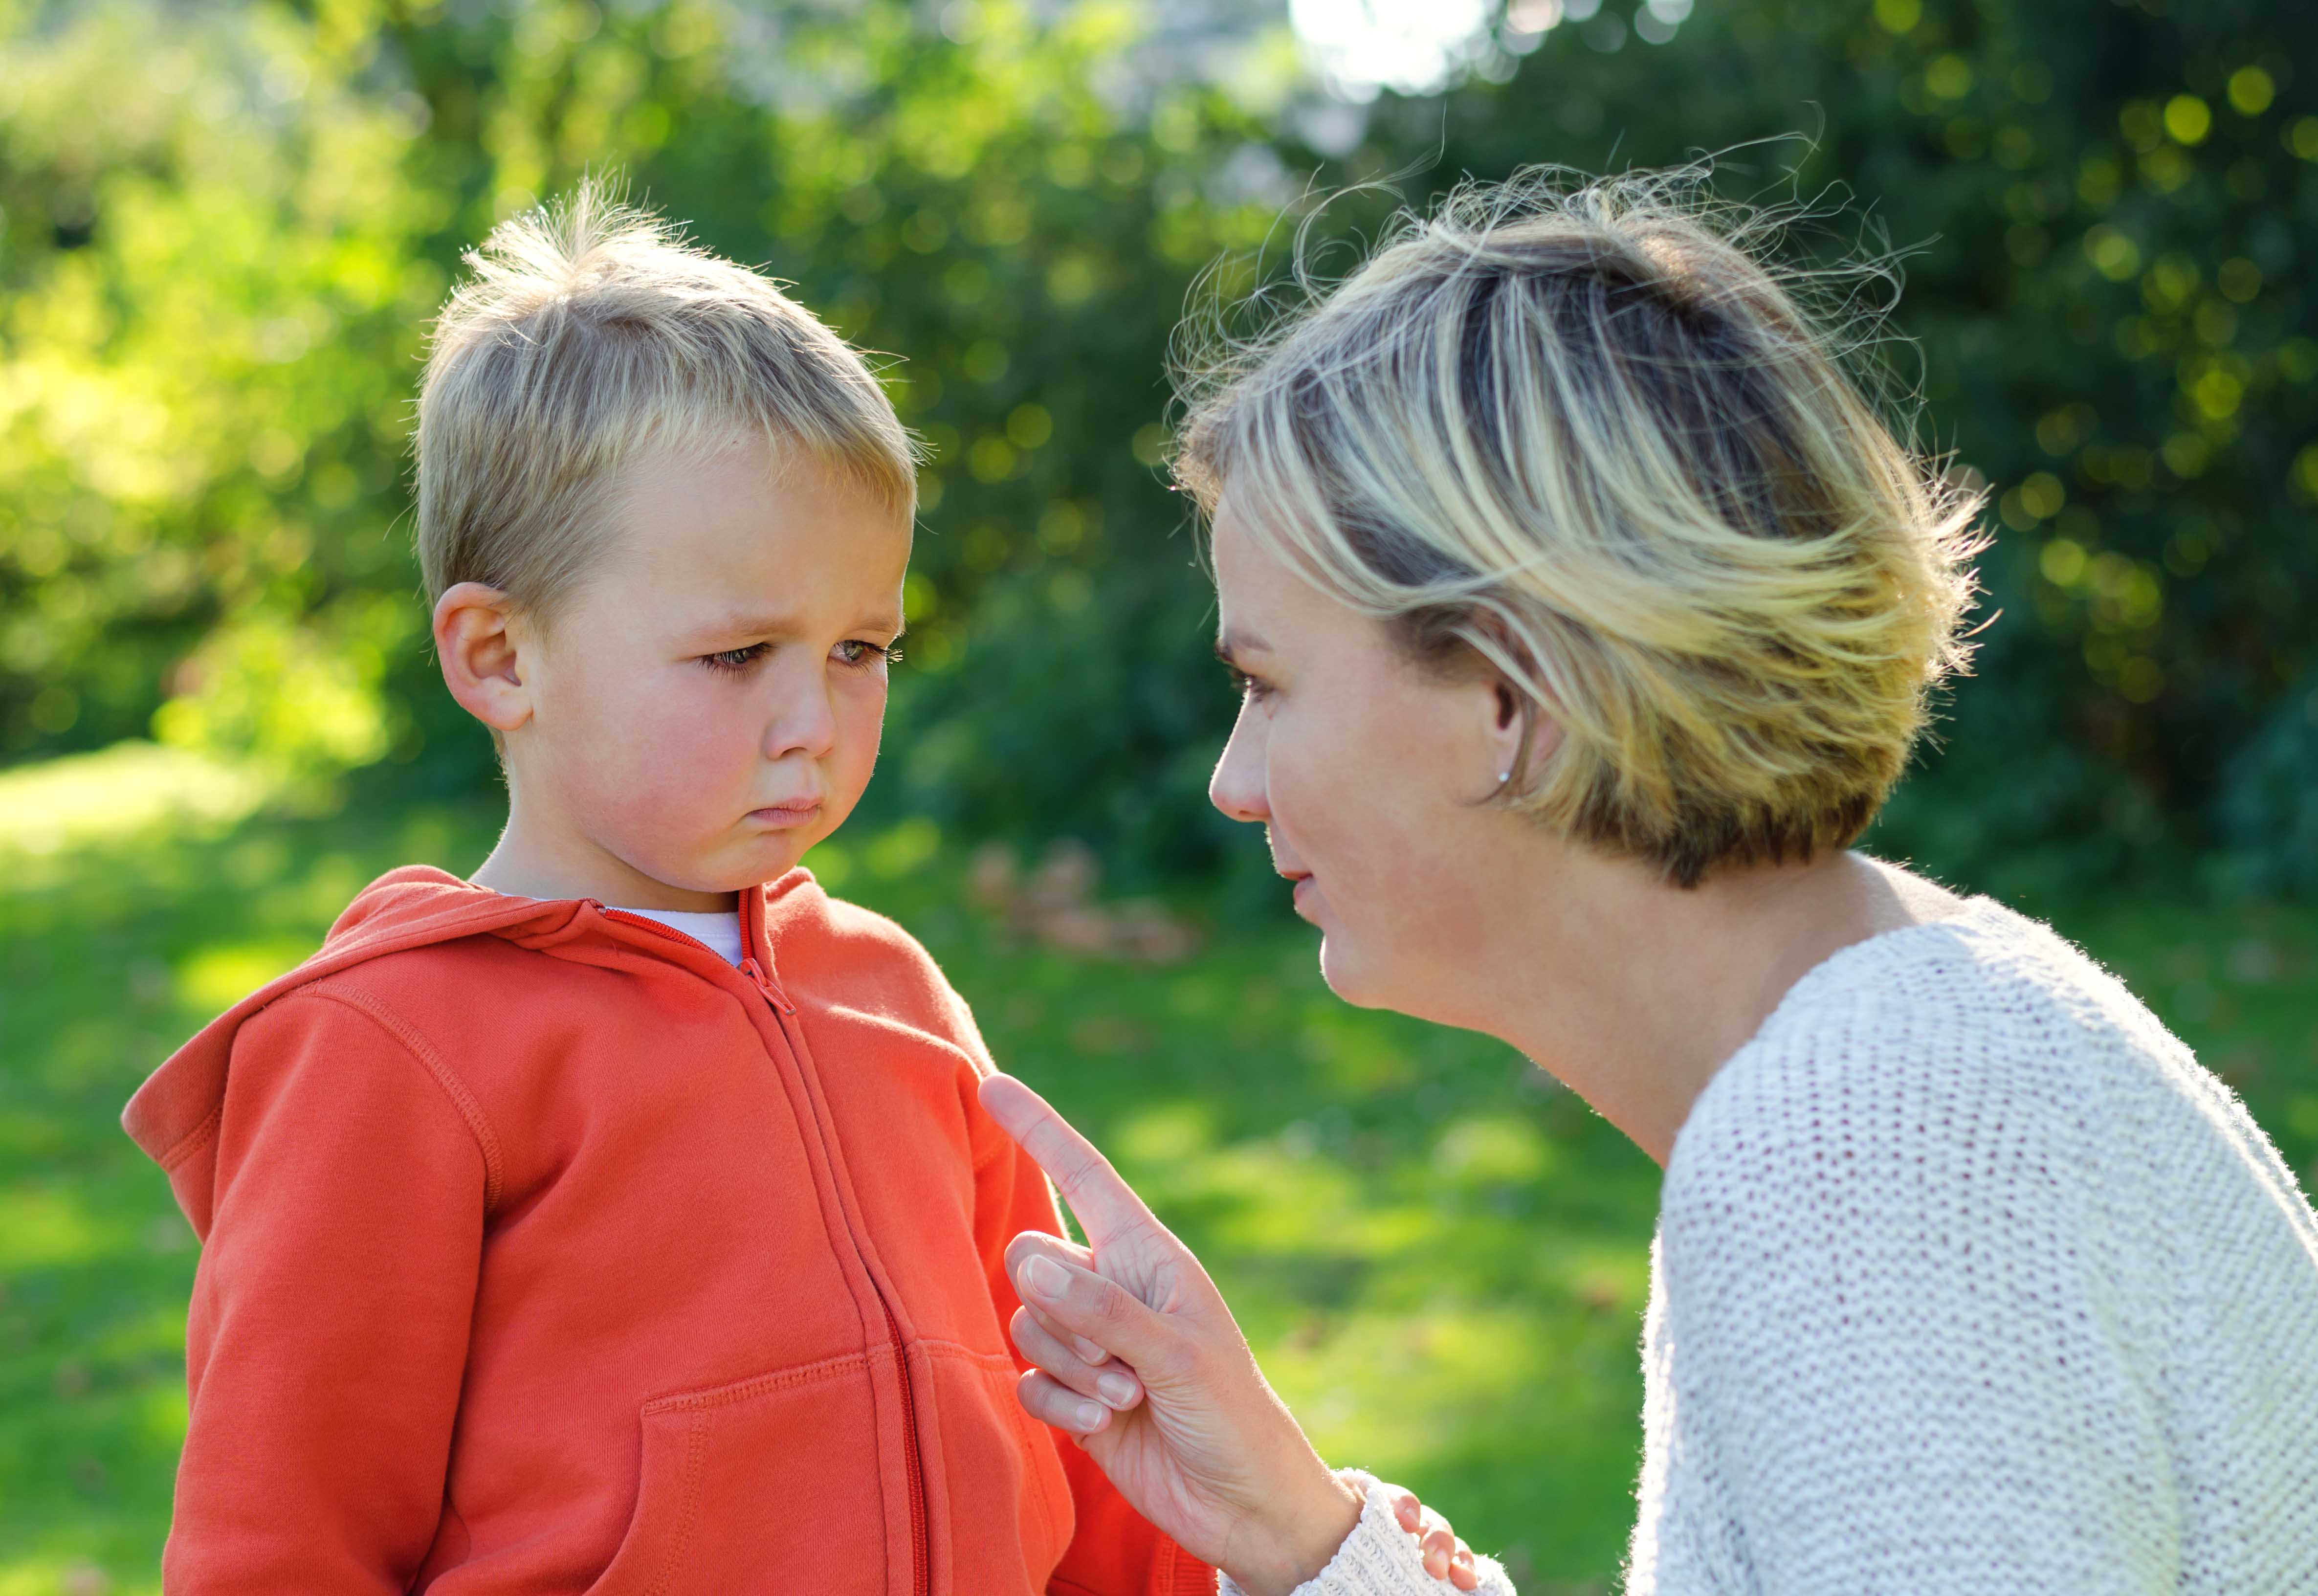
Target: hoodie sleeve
1114	1550
327	1332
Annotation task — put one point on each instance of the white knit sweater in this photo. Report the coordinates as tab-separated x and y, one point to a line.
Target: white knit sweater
1969	1279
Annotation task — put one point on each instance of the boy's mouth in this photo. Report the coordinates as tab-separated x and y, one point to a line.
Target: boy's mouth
782	815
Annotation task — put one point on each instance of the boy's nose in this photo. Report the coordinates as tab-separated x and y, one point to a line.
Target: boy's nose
805	722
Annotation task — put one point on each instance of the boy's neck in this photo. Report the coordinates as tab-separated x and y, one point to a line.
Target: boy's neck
525	864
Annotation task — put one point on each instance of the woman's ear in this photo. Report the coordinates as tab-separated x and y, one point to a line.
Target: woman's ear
480	643
1522	735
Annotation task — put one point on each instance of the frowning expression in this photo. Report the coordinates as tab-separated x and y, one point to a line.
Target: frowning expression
708	705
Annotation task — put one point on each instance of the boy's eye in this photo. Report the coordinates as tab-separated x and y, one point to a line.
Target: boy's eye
735	659
855	651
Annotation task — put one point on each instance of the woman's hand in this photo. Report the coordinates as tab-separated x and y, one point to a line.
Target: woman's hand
1446	1555
1194	1438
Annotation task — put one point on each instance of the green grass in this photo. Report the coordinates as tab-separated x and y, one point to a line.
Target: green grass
1441	1258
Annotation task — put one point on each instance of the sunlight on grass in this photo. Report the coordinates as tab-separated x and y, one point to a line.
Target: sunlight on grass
1492	1150
127	789
67	1576
1355	1056
163	1410
902	849
215	978
1166	1133
39	1227
831	864
1439	1364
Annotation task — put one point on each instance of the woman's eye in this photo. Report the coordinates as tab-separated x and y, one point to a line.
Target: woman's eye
1247	686
734	660
855	651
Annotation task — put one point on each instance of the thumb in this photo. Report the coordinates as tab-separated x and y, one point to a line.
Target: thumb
1105	1313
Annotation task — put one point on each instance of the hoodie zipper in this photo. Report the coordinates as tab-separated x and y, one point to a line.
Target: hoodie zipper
912	1466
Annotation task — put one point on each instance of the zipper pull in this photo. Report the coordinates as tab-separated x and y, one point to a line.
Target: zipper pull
756	972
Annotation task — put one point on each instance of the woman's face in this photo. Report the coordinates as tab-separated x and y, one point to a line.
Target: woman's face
1369	775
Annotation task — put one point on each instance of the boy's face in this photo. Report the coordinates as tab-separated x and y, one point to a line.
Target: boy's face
707	705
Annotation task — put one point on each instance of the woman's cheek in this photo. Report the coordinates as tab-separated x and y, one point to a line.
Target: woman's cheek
1302	776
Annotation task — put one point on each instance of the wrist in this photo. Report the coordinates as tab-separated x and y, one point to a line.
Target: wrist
1301	1536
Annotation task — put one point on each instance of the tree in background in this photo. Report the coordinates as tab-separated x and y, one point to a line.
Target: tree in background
225	228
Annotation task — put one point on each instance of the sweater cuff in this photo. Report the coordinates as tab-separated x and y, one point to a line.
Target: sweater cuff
1380	1558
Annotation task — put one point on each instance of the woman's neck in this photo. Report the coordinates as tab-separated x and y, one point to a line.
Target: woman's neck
1633	993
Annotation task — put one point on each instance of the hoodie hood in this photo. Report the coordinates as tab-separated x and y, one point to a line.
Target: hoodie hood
411	907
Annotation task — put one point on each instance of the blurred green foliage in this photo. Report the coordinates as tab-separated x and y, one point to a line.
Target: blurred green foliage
223	229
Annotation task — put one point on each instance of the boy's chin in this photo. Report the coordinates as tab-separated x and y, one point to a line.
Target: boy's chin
736	863
728	869
758	866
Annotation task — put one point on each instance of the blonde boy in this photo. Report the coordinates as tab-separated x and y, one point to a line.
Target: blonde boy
621	1218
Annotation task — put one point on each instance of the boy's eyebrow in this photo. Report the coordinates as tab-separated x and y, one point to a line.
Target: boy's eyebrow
762	624
737	623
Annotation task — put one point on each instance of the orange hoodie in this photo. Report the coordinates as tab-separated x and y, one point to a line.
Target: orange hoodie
544	1252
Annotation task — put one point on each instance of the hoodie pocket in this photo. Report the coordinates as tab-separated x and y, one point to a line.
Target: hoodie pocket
769	1482
1009	1501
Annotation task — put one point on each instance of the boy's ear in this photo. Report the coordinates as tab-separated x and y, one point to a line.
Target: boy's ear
479	642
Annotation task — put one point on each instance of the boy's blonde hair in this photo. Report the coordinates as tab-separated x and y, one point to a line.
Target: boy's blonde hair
590	336
1583	435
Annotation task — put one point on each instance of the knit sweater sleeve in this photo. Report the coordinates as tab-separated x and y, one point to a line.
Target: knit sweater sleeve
1890	1348
1380	1558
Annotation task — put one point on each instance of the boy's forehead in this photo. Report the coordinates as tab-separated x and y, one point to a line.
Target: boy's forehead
772	590
734	537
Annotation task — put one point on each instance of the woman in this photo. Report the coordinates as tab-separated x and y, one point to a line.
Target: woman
1585	612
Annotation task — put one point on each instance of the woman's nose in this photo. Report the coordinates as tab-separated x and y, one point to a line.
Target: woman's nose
1237	785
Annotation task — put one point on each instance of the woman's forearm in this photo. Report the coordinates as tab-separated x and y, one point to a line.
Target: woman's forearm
1284	1551
1377	1558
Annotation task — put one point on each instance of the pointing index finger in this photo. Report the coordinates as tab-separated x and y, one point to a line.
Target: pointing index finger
1105	1204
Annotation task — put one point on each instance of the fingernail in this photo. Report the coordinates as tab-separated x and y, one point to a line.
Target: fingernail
1116	1390
1088	1350
1044	1277
1089	1416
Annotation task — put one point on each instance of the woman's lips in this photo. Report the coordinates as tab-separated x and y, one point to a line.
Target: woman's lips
1304	888
781	817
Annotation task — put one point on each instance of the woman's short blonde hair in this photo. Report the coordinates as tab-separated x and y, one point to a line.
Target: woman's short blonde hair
590	337
1580	435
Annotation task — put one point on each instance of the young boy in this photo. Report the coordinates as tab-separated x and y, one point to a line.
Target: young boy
622	1220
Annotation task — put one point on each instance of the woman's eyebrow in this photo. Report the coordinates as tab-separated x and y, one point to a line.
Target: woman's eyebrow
1234	644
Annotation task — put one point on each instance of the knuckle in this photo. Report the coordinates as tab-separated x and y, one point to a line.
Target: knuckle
1043	1400
1111	1304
